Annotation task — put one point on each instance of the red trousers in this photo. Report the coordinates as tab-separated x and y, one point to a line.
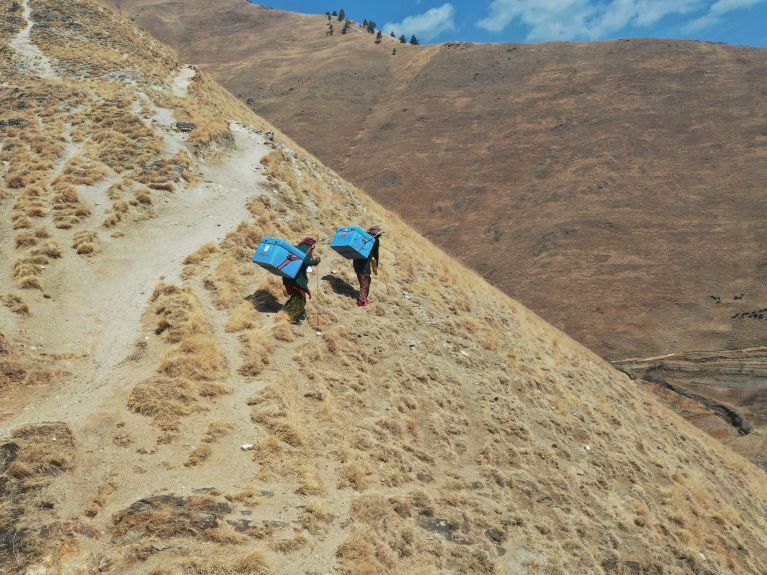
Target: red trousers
364	280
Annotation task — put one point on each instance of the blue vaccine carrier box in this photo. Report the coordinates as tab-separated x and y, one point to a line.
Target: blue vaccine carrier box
279	257
353	243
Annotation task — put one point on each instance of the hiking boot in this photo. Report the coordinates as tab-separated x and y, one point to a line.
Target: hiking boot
363	303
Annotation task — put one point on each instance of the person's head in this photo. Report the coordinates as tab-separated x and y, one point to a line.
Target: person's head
376	231
308	241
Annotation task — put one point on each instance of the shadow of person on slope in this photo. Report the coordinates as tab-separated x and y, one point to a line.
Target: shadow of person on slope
340	286
264	301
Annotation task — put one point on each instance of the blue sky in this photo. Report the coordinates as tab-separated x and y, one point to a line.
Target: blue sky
732	21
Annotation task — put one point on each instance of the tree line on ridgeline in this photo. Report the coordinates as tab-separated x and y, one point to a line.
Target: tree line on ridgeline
368	25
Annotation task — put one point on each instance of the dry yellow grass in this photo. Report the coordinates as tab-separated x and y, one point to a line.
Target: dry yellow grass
85	242
104	492
198	456
15	303
33	458
164	400
442	432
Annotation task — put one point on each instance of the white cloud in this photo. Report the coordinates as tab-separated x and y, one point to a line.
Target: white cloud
583	19
716	12
426	26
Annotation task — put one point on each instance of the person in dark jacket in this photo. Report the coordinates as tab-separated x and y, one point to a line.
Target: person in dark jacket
298	287
364	267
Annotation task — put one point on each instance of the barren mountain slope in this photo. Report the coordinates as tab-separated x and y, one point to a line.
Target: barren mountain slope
611	186
616	188
160	418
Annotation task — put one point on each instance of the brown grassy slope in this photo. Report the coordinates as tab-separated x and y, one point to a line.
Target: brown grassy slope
610	186
444	429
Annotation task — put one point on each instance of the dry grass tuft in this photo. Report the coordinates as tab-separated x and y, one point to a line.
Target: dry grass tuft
282	330
216	430
289	545
31	460
195	358
105	491
178	313
49	249
30	282
25	239
85	242
163	399
15	303
254	563
201	255
198	456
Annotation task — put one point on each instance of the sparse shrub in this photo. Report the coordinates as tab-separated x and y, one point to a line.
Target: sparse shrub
25	239
49	249
30	282
198	456
84	242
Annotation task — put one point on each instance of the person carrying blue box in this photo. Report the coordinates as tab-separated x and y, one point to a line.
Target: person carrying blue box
298	288
364	267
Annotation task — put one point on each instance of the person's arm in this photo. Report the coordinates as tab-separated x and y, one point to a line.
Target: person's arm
313	262
374	257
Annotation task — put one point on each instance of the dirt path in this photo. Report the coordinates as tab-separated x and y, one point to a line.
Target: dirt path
181	81
33	59
98	301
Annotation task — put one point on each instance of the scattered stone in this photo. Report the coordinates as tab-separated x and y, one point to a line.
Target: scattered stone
14	123
444	528
495	535
509	522
315	395
587	447
185	126
247	446
437	525
159	546
425	477
241	525
180	514
269	136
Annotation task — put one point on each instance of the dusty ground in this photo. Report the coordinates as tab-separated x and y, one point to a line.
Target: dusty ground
189	429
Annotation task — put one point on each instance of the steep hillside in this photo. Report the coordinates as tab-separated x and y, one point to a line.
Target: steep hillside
616	185
160	417
616	188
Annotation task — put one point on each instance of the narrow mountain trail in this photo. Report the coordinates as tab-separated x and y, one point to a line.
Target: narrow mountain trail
98	302
183	79
32	58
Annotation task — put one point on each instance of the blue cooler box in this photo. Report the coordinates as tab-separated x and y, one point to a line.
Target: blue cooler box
279	257
353	243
